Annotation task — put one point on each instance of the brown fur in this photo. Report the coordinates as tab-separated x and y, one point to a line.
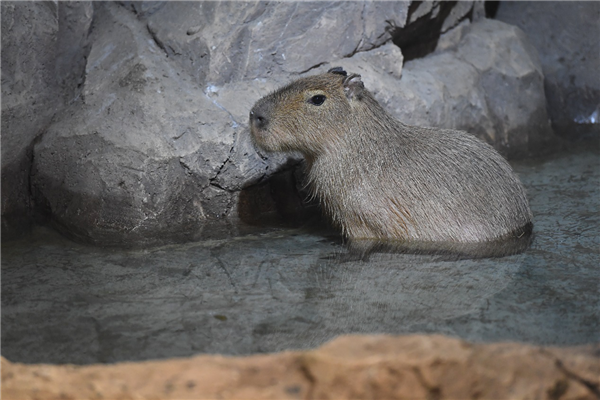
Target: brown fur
379	178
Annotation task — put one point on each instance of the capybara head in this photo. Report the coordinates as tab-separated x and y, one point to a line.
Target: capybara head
308	115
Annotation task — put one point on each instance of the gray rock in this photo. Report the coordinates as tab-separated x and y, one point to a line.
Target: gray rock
143	8
223	42
29	35
29	90
134	159
490	84
44	45
73	46
567	36
469	84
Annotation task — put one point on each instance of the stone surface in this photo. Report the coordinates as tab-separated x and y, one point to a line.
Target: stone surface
28	84
224	42
73	46
134	158
382	367
567	37
29	34
473	86
44	46
428	20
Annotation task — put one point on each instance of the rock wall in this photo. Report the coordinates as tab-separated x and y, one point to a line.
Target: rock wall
44	47
350	367
140	131
567	36
469	83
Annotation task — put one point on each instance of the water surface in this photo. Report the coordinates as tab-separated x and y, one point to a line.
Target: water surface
280	289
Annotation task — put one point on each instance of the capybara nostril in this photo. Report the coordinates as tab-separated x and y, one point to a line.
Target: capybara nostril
257	119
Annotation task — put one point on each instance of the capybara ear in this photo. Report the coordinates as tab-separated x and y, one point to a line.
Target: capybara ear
353	86
338	70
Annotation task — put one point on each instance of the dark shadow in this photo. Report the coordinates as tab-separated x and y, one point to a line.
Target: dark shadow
281	201
491	8
420	37
17	207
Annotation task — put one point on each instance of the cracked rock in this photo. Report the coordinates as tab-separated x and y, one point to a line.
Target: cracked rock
132	161
566	36
44	45
222	42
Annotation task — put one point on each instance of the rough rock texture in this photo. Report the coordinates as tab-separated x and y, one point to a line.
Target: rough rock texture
468	84
136	155
490	84
351	367
427	21
221	42
567	36
44	46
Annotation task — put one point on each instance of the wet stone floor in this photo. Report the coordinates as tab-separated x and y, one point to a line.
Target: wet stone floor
280	289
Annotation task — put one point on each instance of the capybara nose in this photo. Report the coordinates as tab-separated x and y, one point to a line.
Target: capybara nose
258	116
257	120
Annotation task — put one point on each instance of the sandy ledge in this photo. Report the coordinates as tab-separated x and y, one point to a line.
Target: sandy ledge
349	367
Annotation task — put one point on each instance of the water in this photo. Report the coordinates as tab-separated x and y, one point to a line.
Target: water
280	289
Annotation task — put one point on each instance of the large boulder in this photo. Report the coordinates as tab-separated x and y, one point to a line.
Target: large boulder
490	83
567	37
134	157
44	45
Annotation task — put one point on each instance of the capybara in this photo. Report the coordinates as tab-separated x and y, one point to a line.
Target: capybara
378	178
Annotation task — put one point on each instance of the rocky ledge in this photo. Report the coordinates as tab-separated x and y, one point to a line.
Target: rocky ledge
373	367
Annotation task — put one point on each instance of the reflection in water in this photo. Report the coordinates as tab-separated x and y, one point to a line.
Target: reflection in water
288	289
388	294
516	244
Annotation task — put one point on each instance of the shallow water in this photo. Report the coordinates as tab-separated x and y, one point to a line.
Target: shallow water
279	289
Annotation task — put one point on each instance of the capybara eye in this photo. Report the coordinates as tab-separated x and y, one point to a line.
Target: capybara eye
317	100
